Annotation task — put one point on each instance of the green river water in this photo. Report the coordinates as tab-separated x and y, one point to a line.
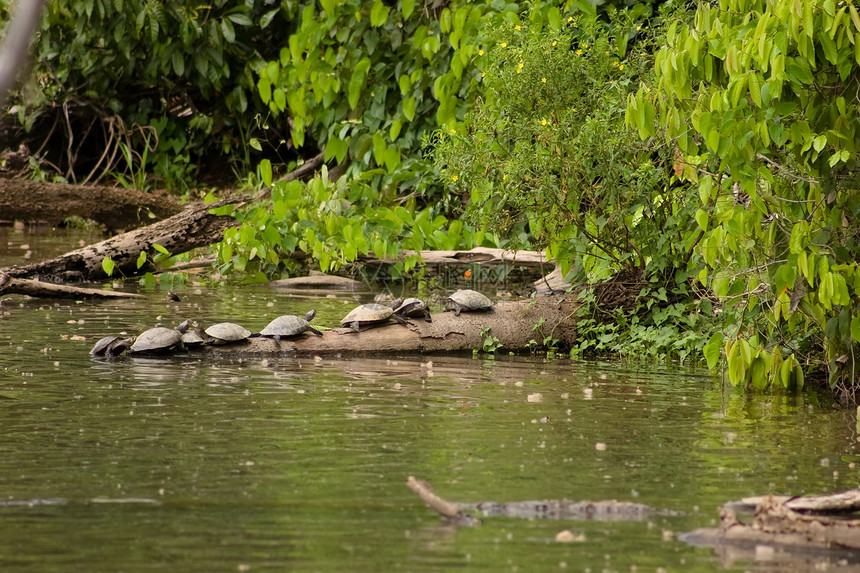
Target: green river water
301	464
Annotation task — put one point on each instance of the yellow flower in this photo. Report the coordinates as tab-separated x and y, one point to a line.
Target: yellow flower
543	122
504	44
638	28
570	19
454	178
621	67
554	42
585	45
517	27
579	52
543	80
519	67
481	52
504	177
453	130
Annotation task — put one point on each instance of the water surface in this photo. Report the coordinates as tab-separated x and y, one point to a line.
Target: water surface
300	464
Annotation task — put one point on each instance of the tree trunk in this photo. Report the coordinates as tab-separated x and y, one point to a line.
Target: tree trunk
195	227
115	209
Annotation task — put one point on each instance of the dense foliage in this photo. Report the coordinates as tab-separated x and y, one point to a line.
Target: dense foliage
760	98
145	87
547	159
723	163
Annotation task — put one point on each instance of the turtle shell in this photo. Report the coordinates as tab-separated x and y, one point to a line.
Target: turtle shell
368	314
290	325
111	346
194	335
468	300
227	332
156	339
410	306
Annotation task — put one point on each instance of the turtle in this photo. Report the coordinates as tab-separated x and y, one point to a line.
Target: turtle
111	346
195	335
411	307
368	315
290	325
468	300
159	339
226	332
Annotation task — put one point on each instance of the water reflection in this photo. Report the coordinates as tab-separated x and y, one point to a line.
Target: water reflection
301	463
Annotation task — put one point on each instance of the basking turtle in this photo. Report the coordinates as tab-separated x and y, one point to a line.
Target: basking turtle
369	315
159	339
226	333
290	325
467	300
111	346
411	307
195	335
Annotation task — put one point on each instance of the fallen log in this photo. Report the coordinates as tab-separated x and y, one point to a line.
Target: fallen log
9	285
115	209
478	255
510	326
194	227
796	523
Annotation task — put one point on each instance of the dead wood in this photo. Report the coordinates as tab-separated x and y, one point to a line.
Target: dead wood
816	522
115	209
511	323
194	227
478	255
9	285
436	503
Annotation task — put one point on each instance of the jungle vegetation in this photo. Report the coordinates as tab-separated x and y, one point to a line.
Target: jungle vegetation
703	154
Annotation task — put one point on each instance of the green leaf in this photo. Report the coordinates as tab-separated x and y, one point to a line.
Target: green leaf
178	61
702	219
712	350
241	19
227	30
554	18
141	259
378	13
160	249
407	8
266	172
108	266
409	108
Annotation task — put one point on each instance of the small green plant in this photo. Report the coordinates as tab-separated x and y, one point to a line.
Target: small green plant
491	344
548	342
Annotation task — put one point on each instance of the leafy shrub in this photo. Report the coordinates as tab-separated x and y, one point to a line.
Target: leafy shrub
335	223
112	73
760	98
545	154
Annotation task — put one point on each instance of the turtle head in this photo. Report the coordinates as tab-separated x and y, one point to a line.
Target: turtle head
310	315
184	326
397	302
